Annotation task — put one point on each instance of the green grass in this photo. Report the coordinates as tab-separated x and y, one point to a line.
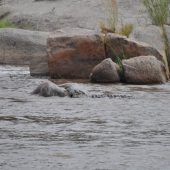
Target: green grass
6	24
158	10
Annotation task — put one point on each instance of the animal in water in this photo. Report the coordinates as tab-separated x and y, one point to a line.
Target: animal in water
48	89
72	90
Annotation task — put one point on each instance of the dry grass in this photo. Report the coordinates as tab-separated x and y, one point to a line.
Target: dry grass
112	26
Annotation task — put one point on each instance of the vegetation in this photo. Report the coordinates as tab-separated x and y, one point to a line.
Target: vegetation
126	30
112	27
5	24
158	11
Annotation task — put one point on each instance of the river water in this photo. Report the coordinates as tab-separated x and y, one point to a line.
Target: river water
121	133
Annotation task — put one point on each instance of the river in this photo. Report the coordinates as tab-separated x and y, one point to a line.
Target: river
121	133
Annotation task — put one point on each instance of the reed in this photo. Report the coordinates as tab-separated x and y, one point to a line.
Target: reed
158	10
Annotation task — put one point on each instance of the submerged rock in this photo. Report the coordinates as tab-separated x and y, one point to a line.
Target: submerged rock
144	70
105	72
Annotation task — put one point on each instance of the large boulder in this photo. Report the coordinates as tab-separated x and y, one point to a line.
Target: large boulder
144	70
74	53
105	72
23	47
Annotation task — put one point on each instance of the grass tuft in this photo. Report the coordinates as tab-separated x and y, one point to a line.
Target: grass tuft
126	30
6	24
112	26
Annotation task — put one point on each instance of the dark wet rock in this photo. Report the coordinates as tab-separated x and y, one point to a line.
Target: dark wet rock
105	72
144	70
49	89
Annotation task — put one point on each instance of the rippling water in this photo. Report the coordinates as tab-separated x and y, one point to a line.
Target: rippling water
130	133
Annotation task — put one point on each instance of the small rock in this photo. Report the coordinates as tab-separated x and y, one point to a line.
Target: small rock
105	72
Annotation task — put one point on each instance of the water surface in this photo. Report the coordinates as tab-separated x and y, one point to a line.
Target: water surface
121	133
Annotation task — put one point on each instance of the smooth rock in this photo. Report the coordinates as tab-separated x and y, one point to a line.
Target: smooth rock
105	72
144	70
23	47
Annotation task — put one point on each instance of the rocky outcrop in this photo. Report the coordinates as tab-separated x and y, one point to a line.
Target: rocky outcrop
105	72
74	53
144	70
23	47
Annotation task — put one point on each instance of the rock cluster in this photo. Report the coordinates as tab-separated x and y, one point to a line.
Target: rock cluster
80	53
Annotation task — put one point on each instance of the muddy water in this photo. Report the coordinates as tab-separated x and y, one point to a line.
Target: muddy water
122	133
